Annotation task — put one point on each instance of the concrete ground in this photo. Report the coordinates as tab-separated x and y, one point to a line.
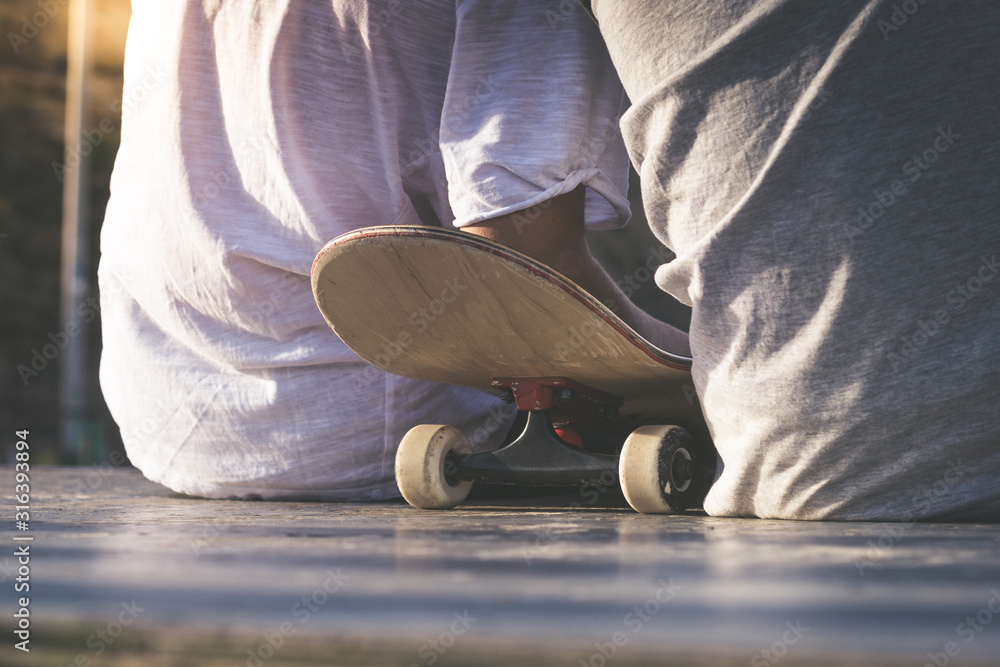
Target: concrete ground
124	572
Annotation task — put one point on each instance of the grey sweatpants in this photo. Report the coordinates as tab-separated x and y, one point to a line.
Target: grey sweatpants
829	177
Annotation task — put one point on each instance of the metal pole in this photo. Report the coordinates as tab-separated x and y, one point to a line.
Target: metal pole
76	406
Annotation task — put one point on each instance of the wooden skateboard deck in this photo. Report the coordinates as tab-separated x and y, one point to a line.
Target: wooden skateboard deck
452	307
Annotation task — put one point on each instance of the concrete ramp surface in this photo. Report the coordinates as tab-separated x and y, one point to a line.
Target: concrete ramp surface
124	572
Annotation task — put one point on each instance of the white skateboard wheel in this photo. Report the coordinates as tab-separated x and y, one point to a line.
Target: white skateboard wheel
656	469
423	461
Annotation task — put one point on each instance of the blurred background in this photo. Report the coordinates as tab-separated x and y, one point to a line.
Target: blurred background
33	74
45	385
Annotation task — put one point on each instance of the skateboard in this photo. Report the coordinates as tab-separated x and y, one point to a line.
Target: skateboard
452	307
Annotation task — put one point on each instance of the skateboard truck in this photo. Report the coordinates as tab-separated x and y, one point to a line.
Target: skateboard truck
539	456
573	407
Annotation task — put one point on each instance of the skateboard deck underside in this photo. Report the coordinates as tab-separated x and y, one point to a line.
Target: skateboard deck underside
450	307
